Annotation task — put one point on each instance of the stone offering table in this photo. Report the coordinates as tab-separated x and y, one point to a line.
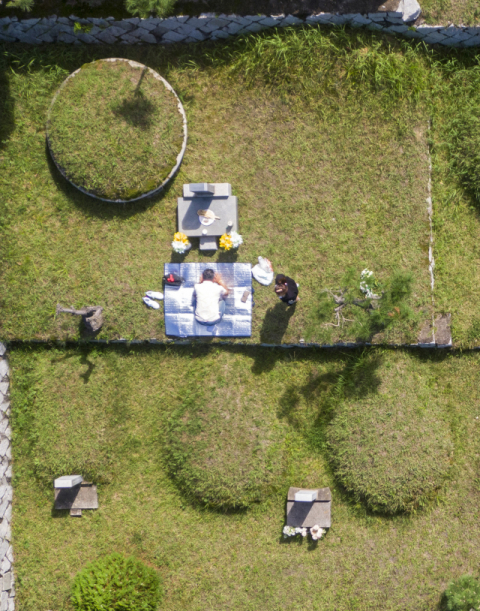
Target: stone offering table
307	514
207	196
76	498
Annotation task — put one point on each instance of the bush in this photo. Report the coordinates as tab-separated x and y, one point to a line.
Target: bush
388	447
464	148
23	5
115	583
225	456
463	594
145	8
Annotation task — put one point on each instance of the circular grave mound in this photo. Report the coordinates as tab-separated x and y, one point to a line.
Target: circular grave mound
391	447
225	456
116	130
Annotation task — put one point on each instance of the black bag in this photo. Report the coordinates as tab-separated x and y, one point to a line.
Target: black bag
173	280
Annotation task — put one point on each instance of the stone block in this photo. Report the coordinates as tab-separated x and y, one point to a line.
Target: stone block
83	496
253	27
434	38
107	37
133	20
170	24
66	21
474	41
4	601
197	36
5	406
451	30
253	18
428	29
362	20
160	31
148	37
3	425
375	26
269	22
413	34
5	565
46	38
4	545
8	452
376	16
5	531
124	25
397	29
147	24
7	38
473	31
213	25
3	369
4	443
102	23
87	38
39	30
461	36
339	20
196	22
67	38
234	28
220	34
114	31
3	490
28	22
7	581
394	14
10	553
5	21
11	602
290	20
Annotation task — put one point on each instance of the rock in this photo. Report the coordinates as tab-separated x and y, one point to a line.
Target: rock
172	37
68	38
3	369
107	37
411	10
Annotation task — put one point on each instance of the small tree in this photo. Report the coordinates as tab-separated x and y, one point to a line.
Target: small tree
23	5
146	8
463	594
383	302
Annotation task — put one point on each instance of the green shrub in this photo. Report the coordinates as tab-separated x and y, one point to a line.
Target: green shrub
23	5
145	8
226	455
463	594
388	442
115	583
464	147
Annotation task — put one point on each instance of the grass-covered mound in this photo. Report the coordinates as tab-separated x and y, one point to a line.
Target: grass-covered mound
464	132
115	130
225	454
115	583
389	444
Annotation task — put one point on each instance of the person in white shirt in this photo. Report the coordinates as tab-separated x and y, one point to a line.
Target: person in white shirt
209	297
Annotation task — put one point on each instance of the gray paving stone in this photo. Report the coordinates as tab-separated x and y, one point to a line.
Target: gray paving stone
170	24
234	27
5	533
413	34
11	603
3	425
434	38
377	16
397	29
7	38
290	20
253	18
134	20
338	20
5	21
4	545
213	24
473	31
3	369
107	37
461	36
172	37
195	22
395	20
3	490
160	31
147	24
5	565
473	42
46	38
4	601
220	34
148	37
5	406
67	38
129	40
87	38
39	30
4	443
7	581
65	21
10	553
102	23
197	35
411	10
375	26
8	472
428	29
253	27
114	31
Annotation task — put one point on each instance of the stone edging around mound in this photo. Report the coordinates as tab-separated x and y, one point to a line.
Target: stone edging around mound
7	590
209	26
173	171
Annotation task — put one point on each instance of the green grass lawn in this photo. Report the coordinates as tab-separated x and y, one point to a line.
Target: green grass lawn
104	412
329	166
466	12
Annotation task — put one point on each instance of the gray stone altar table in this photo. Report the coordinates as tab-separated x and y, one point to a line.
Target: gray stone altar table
216	197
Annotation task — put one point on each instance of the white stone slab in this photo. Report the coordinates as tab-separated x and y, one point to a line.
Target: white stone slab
68	481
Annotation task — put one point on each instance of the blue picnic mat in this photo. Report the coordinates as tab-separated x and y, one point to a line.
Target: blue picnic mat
178	305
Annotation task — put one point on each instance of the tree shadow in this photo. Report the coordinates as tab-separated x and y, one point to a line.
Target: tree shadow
274	326
99	209
137	111
83	361
7	105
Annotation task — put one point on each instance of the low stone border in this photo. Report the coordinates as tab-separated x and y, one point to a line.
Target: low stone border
7	589
180	155
209	26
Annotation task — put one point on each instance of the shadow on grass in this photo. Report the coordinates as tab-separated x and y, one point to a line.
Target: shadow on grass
138	111
83	361
103	210
6	107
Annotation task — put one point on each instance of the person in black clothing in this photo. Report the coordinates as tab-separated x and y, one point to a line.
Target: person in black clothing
286	289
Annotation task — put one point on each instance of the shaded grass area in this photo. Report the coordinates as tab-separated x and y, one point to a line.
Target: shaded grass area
239	561
115	130
317	131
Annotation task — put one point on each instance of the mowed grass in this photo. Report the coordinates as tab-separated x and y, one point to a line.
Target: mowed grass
459	12
325	149
115	130
111	405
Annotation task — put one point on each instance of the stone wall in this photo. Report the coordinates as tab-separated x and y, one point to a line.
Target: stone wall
208	26
7	591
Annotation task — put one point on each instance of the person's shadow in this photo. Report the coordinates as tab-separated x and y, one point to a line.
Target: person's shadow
275	323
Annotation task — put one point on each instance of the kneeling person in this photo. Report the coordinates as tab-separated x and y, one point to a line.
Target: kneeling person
209	296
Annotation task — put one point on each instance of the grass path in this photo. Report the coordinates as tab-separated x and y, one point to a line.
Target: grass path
107	407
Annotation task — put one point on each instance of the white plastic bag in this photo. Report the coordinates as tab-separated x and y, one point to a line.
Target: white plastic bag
263	271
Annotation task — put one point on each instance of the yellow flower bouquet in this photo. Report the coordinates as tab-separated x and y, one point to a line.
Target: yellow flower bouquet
230	240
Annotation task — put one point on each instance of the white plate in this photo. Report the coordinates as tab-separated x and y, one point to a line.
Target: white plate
205	221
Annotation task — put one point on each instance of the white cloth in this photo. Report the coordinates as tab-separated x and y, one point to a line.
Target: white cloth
208	294
261	275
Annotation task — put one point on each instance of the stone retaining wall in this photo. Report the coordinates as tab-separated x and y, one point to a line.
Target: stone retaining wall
7	590
208	26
